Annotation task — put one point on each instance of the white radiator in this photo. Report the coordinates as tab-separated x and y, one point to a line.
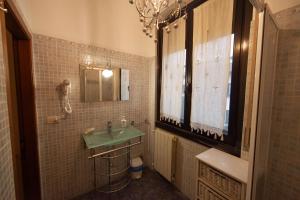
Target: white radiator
165	154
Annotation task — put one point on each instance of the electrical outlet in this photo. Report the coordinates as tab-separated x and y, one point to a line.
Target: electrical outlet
52	119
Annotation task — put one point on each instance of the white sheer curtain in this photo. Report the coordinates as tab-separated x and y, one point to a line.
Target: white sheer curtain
173	73
211	65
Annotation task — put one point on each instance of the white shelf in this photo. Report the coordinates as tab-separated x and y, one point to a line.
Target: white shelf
228	164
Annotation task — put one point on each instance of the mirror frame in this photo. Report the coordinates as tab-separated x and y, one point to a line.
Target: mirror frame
98	67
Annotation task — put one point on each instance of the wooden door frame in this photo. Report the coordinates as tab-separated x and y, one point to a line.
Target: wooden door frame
13	22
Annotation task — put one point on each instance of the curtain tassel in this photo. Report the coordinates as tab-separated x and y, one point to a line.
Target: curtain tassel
215	136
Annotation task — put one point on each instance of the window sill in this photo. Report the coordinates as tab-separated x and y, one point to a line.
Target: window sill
200	139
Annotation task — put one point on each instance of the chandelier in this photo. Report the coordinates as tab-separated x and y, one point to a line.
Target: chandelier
154	13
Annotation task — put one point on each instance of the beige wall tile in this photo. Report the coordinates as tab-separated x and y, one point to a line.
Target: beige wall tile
283	176
65	169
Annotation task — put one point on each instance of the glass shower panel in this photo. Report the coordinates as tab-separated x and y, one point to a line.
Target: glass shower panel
277	160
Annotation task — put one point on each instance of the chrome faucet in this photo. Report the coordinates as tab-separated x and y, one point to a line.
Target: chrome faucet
109	126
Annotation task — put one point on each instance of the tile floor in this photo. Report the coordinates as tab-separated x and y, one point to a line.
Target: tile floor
151	187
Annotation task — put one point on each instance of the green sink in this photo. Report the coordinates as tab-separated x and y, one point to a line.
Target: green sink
116	136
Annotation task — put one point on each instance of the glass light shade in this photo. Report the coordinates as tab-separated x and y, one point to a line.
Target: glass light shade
107	73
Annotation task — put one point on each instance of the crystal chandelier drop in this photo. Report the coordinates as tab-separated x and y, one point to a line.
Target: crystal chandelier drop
153	13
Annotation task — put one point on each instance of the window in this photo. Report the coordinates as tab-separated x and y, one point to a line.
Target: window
173	73
202	73
212	47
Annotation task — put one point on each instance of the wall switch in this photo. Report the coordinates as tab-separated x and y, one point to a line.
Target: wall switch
52	119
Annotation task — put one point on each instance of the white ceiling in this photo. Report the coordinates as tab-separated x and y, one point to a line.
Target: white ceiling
111	24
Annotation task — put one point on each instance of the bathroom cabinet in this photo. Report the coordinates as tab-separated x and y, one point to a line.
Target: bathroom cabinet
220	176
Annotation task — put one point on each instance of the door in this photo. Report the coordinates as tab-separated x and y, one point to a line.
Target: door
17	57
16	137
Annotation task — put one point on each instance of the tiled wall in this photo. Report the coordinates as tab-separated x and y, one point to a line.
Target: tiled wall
6	167
289	19
265	107
283	176
65	170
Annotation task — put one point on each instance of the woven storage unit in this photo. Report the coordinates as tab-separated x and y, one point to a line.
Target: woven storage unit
205	192
221	176
223	183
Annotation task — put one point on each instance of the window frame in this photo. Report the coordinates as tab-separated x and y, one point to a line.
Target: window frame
242	16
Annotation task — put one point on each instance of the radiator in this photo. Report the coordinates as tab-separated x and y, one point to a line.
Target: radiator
165	154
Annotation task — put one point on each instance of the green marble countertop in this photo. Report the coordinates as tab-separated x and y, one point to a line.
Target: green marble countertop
117	136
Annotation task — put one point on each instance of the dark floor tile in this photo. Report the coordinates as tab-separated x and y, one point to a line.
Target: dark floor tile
151	187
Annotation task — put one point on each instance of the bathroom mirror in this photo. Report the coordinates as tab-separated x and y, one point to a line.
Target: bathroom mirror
98	83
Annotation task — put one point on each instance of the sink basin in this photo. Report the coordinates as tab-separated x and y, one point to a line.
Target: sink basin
103	138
